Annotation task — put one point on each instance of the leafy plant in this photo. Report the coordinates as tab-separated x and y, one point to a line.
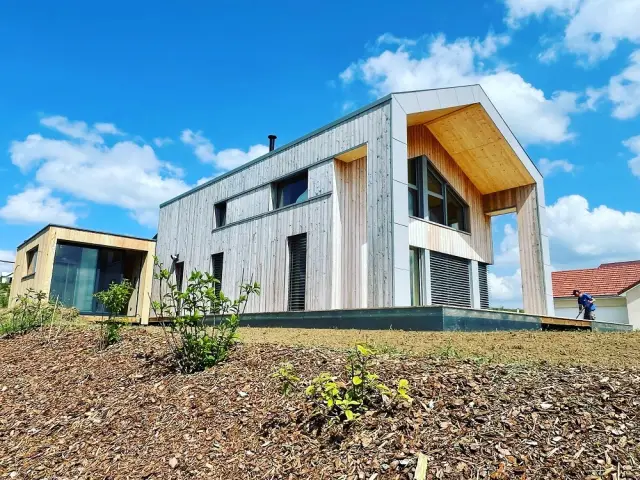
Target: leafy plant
4	294
115	299
288	378
346	401
200	322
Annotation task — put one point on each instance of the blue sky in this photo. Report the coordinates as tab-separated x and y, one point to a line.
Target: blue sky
106	112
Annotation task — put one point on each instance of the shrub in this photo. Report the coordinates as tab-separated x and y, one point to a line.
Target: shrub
288	378
4	294
346	401
32	311
201	321
115	299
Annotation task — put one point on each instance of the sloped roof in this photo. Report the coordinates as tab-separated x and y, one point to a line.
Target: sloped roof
607	279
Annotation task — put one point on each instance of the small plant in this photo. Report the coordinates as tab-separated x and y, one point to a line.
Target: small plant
4	294
200	322
286	374
115	300
346	401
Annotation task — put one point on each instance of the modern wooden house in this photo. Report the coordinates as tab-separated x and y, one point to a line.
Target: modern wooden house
389	206
70	265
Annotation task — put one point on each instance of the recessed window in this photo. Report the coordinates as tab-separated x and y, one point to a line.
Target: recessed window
291	190
32	260
443	204
179	272
217	261
220	214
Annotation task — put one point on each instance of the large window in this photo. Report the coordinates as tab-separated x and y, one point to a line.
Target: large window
32	260
443	204
291	190
79	272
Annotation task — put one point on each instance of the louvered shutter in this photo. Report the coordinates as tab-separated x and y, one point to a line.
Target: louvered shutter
297	271
450	283
216	270
484	285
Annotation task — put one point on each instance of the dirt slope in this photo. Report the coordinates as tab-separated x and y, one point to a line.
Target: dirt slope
69	412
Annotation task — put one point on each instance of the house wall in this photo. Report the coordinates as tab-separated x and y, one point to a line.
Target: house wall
254	241
49	238
613	310
476	245
633	306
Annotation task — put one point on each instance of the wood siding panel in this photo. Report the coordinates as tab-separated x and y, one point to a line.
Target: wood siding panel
258	244
475	246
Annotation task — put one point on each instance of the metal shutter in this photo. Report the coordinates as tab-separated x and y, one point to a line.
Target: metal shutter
484	285
450	283
216	270
297	271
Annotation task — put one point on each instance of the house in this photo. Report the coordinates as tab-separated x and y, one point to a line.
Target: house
71	264
388	206
615	286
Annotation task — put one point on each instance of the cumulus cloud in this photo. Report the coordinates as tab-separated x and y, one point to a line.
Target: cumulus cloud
224	159
126	174
624	89
162	141
107	129
520	10
508	251
506	289
37	205
633	144
549	167
434	62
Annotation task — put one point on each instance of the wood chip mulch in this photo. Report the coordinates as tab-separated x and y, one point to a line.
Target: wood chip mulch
67	411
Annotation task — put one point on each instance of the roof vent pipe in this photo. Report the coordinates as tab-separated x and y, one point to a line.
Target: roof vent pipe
272	142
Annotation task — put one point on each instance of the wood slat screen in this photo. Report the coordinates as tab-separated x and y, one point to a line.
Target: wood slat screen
297	272
484	285
450	282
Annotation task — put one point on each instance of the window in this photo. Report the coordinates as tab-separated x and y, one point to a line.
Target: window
291	190
220	214
32	260
216	270
414	269
450	280
415	187
179	273
484	285
297	272
443	204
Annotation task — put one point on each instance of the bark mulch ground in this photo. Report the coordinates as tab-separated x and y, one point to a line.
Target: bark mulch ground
67	411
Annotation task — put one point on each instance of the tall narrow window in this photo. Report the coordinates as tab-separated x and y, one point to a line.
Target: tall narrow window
179	272
297	272
291	190
456	211
435	192
220	214
216	270
414	271
32	260
415	187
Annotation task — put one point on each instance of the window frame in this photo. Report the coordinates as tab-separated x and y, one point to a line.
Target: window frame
415	274
214	258
424	166
417	187
220	214
279	185
32	261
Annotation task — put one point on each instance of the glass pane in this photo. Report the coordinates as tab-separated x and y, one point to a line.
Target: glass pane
412	172
110	270
414	209
292	191
455	212
414	268
434	184
436	209
73	277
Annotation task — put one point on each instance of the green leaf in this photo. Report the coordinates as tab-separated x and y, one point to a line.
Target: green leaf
349	414
357	380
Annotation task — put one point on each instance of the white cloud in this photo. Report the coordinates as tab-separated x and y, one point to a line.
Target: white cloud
391	39
225	159
549	167
162	141
107	129
435	63
581	235
506	288
633	144
624	89
509	252
37	205
348	105
549	55
126	174
519	10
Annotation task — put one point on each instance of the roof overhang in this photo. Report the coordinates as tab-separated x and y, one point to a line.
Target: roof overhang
468	126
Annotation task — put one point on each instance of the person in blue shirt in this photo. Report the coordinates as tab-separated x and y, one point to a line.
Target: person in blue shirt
586	303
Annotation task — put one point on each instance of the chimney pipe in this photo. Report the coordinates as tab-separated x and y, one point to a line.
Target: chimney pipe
272	142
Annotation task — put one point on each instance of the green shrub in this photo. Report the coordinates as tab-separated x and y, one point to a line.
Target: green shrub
115	300
4	294
288	378
346	401
201	321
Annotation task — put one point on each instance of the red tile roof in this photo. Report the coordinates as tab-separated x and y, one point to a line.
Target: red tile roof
607	279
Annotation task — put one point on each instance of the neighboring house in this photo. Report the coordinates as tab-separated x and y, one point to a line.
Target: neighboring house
70	265
388	206
615	286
